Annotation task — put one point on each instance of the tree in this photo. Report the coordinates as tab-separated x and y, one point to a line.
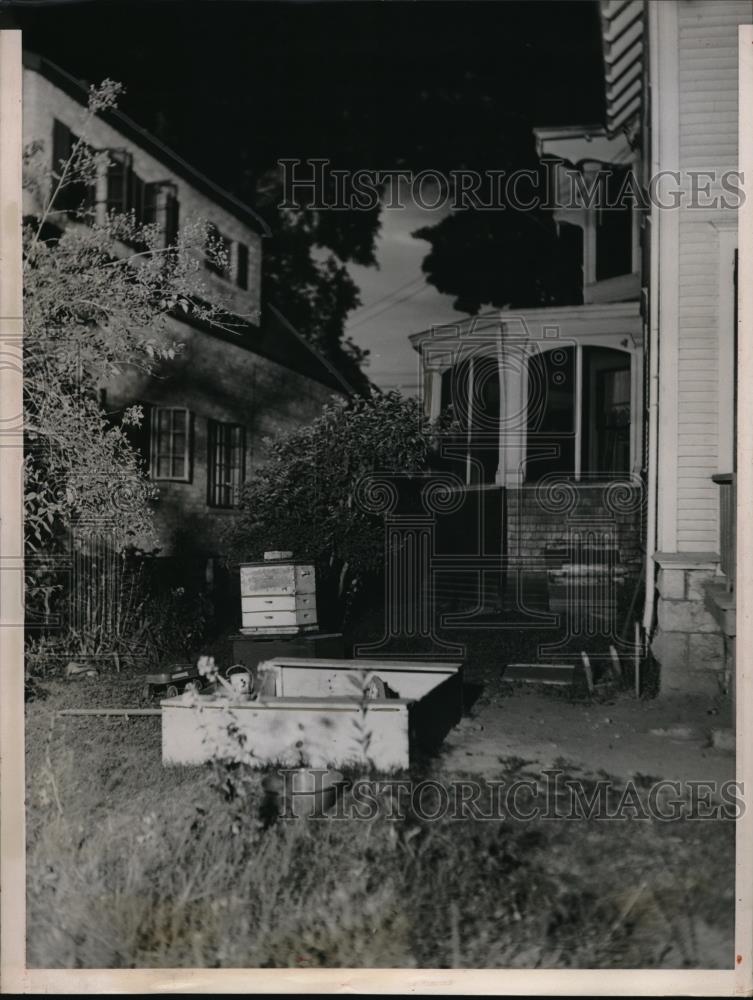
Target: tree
304	271
511	258
308	497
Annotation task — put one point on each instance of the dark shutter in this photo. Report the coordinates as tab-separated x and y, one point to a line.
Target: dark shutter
62	144
137	197
241	266
139	437
172	215
74	194
213	463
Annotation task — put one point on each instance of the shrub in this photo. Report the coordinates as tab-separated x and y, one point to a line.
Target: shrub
309	497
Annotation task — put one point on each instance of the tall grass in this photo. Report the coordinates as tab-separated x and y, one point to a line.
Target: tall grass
130	864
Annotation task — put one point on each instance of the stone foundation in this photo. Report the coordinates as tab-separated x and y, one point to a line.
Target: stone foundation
688	643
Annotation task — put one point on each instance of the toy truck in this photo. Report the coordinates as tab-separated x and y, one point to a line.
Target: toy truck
172	680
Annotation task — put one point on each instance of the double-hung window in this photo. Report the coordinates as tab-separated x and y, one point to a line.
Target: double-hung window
170	450
227	463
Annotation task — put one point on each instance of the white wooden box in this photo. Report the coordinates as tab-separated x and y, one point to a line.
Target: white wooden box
270	579
291	602
277	598
300	617
312	711
285	731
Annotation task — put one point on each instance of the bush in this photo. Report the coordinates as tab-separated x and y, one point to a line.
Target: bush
314	496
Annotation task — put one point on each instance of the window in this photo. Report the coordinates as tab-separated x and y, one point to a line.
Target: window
170	450
76	196
161	208
241	266
119	181
150	203
217	251
227	463
614	227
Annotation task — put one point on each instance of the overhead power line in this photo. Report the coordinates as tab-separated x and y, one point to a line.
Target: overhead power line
391	305
389	295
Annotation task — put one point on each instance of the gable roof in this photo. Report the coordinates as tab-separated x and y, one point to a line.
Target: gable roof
275	338
149	143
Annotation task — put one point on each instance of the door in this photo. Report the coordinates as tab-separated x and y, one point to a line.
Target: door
612	424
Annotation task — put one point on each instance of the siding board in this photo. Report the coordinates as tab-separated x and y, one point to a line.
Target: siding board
708	140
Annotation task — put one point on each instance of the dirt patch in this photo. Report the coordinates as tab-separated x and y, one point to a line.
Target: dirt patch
666	738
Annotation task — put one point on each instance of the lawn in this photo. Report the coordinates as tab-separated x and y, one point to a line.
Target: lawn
134	865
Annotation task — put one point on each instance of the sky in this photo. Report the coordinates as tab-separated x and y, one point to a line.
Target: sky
397	300
234	86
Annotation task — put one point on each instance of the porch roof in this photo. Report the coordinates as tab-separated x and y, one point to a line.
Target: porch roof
615	324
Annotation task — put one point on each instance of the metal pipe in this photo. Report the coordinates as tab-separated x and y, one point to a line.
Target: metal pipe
652	457
469	431
110	711
578	409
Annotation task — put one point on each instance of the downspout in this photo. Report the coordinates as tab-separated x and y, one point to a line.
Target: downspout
652	461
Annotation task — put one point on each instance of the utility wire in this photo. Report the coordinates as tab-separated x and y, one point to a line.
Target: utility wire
391	305
388	295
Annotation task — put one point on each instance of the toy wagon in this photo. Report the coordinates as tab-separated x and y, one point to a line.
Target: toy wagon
170	682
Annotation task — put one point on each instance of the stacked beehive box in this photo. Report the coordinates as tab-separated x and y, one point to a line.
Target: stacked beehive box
278	596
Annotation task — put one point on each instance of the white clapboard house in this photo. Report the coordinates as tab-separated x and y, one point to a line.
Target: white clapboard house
610	420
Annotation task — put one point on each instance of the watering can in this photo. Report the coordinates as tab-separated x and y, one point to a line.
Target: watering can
241	680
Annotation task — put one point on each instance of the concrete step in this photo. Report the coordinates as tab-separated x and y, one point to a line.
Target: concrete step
721	603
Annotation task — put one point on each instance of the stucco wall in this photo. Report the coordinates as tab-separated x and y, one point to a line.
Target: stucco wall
217	380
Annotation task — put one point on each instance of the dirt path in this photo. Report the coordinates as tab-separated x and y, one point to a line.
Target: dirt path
661	738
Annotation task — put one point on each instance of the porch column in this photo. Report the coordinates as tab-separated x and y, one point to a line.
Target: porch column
513	421
499	476
517	413
636	410
432	393
578	409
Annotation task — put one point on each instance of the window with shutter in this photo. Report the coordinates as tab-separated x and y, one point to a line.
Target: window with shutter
160	208
172	217
62	145
138	436
227	463
170	449
241	266
119	180
217	251
74	196
137	197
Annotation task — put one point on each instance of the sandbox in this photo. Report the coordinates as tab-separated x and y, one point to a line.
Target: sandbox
320	712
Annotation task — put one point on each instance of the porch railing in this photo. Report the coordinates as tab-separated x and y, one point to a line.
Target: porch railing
727	525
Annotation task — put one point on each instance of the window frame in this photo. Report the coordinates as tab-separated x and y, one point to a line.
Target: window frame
155	454
217	461
215	234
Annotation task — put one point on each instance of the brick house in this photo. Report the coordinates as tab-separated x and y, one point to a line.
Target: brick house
613	414
207	416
